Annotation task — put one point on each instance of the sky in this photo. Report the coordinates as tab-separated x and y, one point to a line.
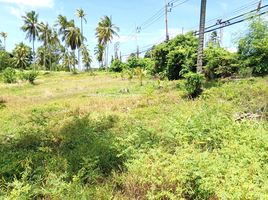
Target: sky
126	14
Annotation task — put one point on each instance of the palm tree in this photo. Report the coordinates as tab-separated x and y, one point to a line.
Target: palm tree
99	52
22	56
73	38
44	35
4	36
105	32
86	57
31	27
63	24
81	14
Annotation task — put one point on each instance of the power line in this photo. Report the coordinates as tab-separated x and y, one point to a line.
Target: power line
226	23
236	22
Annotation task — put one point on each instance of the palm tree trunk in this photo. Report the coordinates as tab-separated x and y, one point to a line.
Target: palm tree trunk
79	64
107	58
5	43
34	55
50	58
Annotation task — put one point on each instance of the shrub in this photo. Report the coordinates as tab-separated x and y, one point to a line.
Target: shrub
178	53
140	73
31	76
4	60
175	63
193	84
9	75
245	72
219	63
117	66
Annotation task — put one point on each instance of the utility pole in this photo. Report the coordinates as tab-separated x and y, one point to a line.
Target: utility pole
259	6
168	8
201	36
116	49
138	30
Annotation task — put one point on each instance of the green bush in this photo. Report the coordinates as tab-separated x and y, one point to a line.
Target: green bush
9	75
219	63
179	53
193	84
4	60
176	59
117	66
31	76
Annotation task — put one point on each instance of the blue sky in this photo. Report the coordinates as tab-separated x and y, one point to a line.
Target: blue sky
125	14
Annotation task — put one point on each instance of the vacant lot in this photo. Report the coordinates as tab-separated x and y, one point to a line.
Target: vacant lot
103	137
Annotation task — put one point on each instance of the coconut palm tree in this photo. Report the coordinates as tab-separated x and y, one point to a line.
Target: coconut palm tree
99	52
22	56
73	38
105	33
86	57
81	14
44	35
31	27
63	23
4	36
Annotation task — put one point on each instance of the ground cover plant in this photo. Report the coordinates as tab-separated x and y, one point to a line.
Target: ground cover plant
86	139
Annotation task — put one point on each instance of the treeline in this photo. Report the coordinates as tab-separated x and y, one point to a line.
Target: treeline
60	42
178	57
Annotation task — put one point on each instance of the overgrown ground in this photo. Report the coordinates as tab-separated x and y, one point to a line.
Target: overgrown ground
87	137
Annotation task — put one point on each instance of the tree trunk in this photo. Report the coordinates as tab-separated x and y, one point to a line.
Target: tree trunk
33	55
201	37
78	55
107	58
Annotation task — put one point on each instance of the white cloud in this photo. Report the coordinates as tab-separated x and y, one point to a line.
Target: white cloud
31	3
17	12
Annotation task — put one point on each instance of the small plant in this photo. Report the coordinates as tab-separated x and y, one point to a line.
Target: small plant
31	76
2	103
245	72
193	84
9	75
140	73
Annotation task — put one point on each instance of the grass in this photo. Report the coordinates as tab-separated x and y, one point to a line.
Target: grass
81	137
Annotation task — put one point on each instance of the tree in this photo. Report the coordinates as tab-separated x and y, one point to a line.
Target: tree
99	52
63	24
105	32
86	57
214	39
253	47
44	35
73	38
4	36
31	28
81	14
22	56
